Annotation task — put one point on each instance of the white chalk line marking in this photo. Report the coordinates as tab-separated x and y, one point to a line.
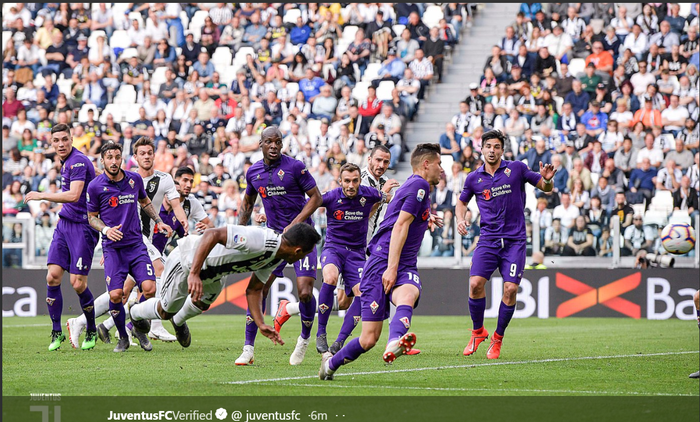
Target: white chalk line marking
474	365
511	390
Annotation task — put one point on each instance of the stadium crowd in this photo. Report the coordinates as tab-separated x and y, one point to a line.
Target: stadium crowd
203	80
608	94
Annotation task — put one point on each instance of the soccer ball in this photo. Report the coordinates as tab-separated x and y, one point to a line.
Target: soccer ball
678	238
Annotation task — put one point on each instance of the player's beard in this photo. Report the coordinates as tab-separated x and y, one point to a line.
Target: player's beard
349	194
113	174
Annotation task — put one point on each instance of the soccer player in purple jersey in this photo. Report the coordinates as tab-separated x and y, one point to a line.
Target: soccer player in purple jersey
113	200
73	243
283	184
349	209
390	273
499	188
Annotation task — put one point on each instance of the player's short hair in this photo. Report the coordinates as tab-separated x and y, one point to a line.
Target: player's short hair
424	151
349	167
381	148
303	235
494	134
144	141
61	127
182	171
109	146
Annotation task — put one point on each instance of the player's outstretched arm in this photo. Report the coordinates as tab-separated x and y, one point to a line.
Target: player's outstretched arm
69	196
315	201
180	214
461	214
147	207
209	239
254	296
246	208
396	243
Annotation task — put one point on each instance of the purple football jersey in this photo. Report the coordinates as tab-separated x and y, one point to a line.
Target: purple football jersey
77	167
501	199
348	218
282	187
117	203
414	198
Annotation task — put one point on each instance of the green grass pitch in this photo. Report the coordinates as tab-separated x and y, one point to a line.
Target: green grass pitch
611	357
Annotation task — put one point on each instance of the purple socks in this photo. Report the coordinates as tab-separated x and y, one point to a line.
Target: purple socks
54	300
347	354
352	317
119	316
87	303
307	311
400	323
325	306
505	313
476	311
251	330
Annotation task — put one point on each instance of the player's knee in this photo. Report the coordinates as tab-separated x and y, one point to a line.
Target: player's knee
148	290
158	267
368	341
79	283
510	291
201	305
332	280
696	299
116	296
344	303
476	287
53	278
165	315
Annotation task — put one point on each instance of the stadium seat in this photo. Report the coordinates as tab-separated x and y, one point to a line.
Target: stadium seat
686	9
92	41
291	15
285	71
126	95
342	46
372	72
65	86
242	53
115	110
560	102
398	29
184	19
132	114
313	128
662	201
6	35
349	33
359	92
680	216
432	16
293	88
597	25
138	17
384	91
530	199
82	114
576	66
129	52
446	161
42	57
158	78
655	218
120	39
223	56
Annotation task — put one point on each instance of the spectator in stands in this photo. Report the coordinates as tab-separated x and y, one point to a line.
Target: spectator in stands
324	105
637	237
579	171
668	177
650	151
685	198
524	61
415	25
408	88
601	59
537	155
441	199
580	241
254	32
555	238
435	51
450	142
596	158
406	47
578	98
615	176
580	197
359	50
642	183
392	69
545	64
594	119
665	38
423	71
498	63
311	85
674	117
690	135
680	155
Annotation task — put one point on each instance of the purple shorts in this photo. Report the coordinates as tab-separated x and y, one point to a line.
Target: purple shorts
349	263
304	267
133	261
375	303
507	256
73	246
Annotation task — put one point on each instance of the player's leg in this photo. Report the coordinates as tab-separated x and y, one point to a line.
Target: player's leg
116	270
511	268
58	262
351	273
251	330
158	332
375	309
141	269
350	321
484	263
696	299
405	296
81	254
326	295
306	276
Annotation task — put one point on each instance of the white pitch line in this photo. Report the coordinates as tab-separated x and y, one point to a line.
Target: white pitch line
475	365
527	390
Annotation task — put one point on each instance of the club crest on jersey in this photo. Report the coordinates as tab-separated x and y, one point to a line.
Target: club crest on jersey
374	306
420	195
280	174
338	215
248	320
406	322
363	201
507	172
108	279
131	183
152	185
486	194
323	308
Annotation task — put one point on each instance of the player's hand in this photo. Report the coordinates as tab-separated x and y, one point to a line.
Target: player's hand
200	227
270	333
434	222
547	171
102	261
261	218
463	227
166	228
194	287
388	280
114	234
185	226
389	185
33	196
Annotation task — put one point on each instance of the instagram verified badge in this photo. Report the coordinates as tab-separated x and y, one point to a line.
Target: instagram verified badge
221	413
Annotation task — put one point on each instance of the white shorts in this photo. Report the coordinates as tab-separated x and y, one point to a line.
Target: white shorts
173	290
153	252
